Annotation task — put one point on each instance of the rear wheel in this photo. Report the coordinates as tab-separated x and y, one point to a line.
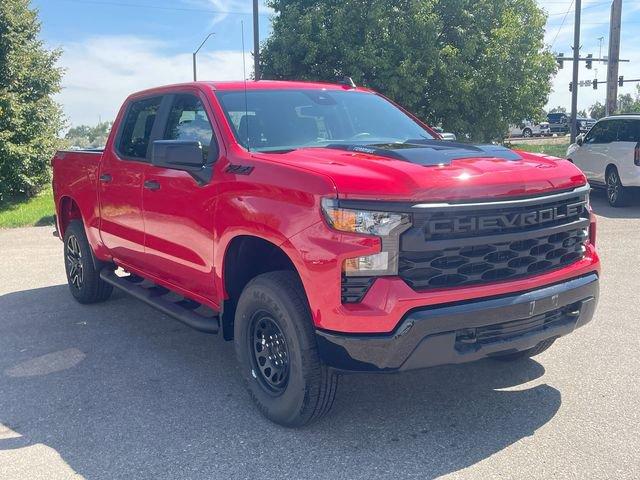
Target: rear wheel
277	352
531	352
84	281
617	194
527	133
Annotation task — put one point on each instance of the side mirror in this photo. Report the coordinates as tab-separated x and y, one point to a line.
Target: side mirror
182	155
580	140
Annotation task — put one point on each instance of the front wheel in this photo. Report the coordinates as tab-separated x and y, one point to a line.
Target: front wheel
84	280
277	352
616	193
527	133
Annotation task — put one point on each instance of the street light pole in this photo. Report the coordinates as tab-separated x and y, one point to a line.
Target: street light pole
195	69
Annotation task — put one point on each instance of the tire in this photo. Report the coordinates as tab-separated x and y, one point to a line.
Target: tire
84	281
527	133
532	352
301	389
617	194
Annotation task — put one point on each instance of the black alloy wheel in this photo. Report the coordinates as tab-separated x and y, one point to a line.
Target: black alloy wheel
73	254
82	270
270	353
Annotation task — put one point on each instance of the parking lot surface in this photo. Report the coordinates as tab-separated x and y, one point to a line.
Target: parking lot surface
119	391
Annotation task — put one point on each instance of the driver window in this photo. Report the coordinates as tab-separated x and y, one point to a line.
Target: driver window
188	121
594	135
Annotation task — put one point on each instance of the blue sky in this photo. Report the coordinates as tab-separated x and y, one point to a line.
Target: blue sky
114	47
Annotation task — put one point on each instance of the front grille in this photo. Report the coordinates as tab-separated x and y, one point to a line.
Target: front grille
472	338
466	245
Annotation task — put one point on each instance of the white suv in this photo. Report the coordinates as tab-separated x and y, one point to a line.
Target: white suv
529	129
609	155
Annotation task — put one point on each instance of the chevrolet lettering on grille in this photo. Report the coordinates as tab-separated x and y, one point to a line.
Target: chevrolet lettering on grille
502	222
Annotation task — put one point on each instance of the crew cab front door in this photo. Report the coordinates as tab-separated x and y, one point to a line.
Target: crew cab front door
178	208
592	156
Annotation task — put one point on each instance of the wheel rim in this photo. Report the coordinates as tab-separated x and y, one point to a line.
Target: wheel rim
270	355
527	133
74	262
613	187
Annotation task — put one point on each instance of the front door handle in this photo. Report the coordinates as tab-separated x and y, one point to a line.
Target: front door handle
105	178
152	185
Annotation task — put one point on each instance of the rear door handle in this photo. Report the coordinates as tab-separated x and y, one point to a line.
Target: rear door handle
105	178
151	185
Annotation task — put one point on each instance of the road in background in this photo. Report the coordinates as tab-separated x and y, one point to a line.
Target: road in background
119	391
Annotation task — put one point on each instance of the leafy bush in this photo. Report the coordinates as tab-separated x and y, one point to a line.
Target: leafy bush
29	118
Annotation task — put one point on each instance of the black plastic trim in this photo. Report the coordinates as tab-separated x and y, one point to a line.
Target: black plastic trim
183	312
426	336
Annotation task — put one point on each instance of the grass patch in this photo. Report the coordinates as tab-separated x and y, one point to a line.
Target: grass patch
37	211
556	150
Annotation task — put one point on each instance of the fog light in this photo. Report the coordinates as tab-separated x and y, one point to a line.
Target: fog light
369	266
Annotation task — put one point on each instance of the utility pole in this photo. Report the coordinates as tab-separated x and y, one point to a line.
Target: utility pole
195	66
256	41
576	65
614	56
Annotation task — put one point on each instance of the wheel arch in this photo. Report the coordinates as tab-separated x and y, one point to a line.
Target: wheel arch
246	256
68	209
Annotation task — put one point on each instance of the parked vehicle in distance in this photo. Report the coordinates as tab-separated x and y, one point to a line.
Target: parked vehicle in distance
446	135
323	229
558	123
609	156
585	124
528	129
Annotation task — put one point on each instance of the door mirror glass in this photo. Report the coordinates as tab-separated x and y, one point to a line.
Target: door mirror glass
580	140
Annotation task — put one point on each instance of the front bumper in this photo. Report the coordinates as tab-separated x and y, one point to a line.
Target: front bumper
467	331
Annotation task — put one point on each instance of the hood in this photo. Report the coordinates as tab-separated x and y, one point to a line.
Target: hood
442	172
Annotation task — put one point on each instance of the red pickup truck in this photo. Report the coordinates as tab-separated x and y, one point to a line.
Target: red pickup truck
324	230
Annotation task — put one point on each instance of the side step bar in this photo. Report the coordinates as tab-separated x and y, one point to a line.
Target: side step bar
181	309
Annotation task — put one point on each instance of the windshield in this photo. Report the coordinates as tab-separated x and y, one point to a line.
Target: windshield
281	120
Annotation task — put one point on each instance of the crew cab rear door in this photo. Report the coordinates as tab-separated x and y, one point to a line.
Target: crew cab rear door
178	208
122	171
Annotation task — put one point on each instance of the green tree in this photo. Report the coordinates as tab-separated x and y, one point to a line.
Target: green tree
29	119
85	136
474	66
558	110
597	110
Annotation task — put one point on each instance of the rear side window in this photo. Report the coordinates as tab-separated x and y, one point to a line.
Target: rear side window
629	131
188	121
137	127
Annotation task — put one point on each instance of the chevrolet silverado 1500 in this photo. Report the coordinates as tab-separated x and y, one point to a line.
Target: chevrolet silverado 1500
324	229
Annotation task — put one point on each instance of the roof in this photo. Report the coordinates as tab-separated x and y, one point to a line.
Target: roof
623	116
252	85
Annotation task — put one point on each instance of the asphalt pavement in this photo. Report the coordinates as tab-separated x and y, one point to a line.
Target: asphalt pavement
119	391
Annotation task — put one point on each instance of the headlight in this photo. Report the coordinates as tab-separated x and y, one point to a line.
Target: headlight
386	225
381	224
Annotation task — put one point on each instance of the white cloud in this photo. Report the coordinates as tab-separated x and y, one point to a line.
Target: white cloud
102	71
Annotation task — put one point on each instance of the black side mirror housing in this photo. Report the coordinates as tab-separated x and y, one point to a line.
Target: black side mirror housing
580	140
182	155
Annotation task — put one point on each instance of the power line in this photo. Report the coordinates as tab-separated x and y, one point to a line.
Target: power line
562	24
